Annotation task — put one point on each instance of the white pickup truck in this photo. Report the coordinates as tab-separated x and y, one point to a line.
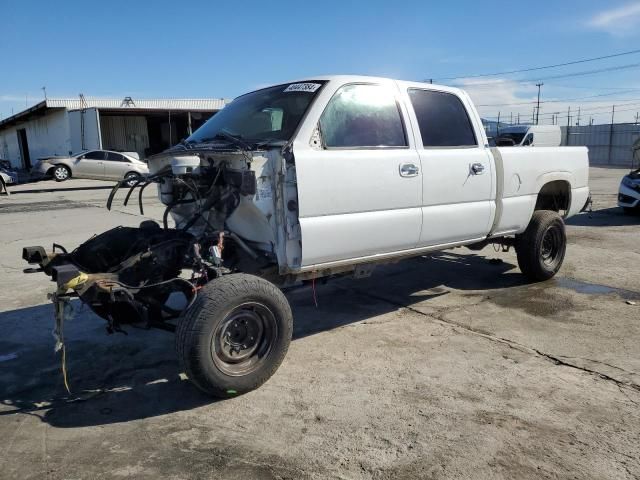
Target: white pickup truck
307	179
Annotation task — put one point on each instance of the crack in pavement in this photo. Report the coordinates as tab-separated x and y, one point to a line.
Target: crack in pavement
556	359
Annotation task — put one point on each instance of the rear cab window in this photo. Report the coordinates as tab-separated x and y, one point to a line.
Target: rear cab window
442	118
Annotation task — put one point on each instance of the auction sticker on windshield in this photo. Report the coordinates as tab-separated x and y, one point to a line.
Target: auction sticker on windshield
303	87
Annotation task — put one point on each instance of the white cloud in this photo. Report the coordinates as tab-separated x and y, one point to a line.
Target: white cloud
617	21
500	95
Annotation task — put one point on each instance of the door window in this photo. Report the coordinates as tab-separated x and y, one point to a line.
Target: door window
115	157
362	116
442	119
96	155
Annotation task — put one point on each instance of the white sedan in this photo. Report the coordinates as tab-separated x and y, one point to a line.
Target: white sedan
95	164
629	193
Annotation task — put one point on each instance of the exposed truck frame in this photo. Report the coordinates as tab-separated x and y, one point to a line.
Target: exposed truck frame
254	213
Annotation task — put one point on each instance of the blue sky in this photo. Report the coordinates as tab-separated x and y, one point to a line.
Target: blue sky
221	49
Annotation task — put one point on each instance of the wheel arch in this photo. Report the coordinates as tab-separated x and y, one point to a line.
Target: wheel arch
554	193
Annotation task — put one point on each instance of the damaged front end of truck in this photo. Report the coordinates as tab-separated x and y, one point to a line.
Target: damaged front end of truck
151	274
229	235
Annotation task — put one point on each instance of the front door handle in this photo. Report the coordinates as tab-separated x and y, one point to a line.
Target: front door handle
477	169
409	170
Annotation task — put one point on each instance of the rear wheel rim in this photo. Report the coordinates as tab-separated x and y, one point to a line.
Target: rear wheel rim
552	246
61	173
244	339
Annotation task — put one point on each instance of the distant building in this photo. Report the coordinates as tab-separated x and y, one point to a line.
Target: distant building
68	126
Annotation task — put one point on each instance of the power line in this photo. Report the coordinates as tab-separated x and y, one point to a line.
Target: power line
599	87
532	69
600	112
561	100
565	75
603	109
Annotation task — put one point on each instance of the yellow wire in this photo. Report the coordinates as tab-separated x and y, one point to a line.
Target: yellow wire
64	369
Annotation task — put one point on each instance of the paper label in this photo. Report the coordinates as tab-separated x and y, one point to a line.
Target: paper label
303	87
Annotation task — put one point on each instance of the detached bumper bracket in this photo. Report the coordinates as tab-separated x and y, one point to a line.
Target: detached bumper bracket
34	254
63	274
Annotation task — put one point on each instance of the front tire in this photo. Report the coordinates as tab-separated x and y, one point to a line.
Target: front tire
542	246
131	179
61	173
235	335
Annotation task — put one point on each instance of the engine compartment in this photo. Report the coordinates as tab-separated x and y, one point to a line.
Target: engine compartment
228	215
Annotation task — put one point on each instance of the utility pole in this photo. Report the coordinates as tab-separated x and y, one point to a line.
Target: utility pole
569	116
538	109
636	118
44	89
518	118
533	116
578	123
498	126
613	113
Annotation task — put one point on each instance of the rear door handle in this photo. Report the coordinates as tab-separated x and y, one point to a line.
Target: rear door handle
477	169
409	170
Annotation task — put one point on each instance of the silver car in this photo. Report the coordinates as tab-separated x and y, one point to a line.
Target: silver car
95	164
7	177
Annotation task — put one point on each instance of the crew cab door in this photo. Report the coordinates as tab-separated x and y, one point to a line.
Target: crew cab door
358	175
457	170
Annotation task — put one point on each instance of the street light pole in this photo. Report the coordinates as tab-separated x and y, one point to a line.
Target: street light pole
538	108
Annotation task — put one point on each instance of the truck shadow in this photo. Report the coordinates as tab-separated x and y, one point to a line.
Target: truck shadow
605	217
119	378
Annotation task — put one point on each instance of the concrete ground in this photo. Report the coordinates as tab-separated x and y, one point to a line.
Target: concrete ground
446	366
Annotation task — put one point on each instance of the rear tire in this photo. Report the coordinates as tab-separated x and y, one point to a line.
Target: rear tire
235	335
61	173
542	246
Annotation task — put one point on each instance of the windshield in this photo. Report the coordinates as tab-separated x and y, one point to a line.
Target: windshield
264	116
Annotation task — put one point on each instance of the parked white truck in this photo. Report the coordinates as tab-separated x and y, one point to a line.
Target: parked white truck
307	179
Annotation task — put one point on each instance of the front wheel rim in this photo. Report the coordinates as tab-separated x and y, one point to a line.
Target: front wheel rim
60	173
244	339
